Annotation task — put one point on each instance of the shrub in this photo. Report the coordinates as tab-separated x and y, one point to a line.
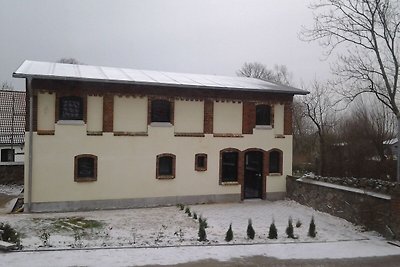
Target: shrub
298	223
311	230
250	230
273	232
195	215
229	234
45	236
181	206
10	234
202	233
289	229
203	221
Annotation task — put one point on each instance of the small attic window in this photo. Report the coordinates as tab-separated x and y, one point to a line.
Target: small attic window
160	111
263	115
71	108
200	162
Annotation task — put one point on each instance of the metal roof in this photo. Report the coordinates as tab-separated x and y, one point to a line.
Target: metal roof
61	71
12	120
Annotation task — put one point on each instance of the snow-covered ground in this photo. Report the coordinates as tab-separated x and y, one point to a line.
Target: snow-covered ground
166	235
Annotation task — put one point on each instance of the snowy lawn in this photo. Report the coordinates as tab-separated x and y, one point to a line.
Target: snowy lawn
169	226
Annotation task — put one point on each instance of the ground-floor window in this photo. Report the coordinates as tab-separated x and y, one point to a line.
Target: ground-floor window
165	166
229	166
200	162
275	162
7	155
85	168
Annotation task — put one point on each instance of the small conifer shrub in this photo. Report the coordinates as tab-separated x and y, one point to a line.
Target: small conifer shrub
311	230
289	229
203	221
229	234
195	215
181	206
250	230
187	210
298	223
202	233
9	234
273	232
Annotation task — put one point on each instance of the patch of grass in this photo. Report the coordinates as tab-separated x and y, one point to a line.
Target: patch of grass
75	223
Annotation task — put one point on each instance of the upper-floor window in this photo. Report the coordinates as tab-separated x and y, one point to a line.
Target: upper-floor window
165	166
263	115
200	162
71	108
160	111
85	168
229	166
275	164
7	155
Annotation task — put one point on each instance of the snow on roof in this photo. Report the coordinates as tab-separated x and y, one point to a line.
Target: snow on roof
12	127
60	71
390	141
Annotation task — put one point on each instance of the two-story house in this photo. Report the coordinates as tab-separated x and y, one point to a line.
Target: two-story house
101	137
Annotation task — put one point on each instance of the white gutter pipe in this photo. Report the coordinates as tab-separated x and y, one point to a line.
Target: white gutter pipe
30	92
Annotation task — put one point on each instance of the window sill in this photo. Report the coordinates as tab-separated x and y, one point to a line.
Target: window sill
263	127
70	122
166	177
87	179
45	132
229	183
161	124
275	174
94	133
200	169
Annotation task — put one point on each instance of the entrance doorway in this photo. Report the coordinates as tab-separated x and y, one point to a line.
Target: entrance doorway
253	174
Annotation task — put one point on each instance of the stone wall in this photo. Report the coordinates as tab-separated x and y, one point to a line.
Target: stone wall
375	211
12	173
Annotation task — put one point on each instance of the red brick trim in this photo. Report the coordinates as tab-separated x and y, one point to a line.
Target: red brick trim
189	134
249	117
199	168
208	116
158	176
85	179
288	120
45	132
35	113
94	133
108	113
130	134
228	135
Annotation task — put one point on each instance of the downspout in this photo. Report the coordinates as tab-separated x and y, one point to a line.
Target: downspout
29	89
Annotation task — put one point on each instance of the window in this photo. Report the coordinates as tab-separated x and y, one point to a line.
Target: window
263	115
275	162
7	155
160	111
85	168
71	108
165	166
229	166
200	162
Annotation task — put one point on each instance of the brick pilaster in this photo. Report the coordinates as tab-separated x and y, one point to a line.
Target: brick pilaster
288	120
249	117
208	116
108	113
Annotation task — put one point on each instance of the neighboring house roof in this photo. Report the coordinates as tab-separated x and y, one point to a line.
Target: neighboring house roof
12	127
390	141
60	71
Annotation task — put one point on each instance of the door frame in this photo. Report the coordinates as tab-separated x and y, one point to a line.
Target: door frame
265	155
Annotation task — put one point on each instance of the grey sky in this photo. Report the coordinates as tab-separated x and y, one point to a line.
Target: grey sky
202	36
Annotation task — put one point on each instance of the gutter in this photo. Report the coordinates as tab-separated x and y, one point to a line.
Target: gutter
30	92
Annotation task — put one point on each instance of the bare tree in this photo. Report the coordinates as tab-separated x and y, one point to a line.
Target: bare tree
369	31
69	60
279	74
319	108
6	86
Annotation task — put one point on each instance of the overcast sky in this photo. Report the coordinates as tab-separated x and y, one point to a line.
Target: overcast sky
202	36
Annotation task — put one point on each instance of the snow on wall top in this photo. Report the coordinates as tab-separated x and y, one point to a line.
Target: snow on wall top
60	71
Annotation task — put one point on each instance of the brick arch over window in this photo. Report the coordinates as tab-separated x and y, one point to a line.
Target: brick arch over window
275	161
85	168
165	166
230	166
